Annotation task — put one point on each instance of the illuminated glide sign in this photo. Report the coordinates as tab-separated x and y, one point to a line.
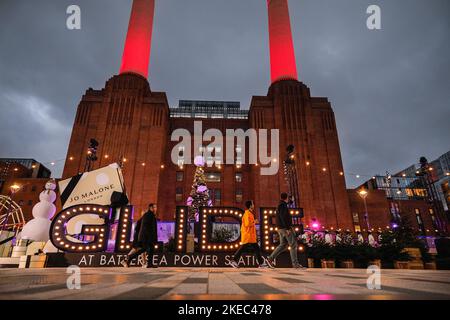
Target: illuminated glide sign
94	237
206	214
269	229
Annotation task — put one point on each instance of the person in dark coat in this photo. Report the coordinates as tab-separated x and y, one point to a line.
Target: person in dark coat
285	233
145	237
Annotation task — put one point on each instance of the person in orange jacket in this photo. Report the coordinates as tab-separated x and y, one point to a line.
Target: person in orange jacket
248	237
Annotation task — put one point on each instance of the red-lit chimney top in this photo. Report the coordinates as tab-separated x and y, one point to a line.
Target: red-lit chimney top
136	54
282	56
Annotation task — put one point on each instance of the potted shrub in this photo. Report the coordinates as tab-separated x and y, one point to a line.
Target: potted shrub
392	250
428	261
345	254
366	255
325	253
311	254
320	254
427	258
402	260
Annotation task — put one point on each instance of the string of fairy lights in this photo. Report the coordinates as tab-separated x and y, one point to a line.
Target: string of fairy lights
122	160
324	169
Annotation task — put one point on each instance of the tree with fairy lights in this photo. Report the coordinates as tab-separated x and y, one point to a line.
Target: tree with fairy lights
199	196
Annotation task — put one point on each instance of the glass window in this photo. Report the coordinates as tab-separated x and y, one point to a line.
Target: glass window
179	194
238	177
420	192
419	218
217	197
213	177
238	195
239	159
180	176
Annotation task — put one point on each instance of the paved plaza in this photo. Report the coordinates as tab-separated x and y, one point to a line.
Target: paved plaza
223	283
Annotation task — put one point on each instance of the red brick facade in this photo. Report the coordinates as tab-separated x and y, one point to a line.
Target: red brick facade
308	123
28	195
131	121
379	210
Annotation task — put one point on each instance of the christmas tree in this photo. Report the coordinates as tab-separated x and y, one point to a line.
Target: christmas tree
199	196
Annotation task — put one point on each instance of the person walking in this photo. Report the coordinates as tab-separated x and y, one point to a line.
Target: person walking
285	233
248	237
145	238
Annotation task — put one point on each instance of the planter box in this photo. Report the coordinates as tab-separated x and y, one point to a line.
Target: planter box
327	264
416	256
347	264
401	264
375	263
430	265
310	263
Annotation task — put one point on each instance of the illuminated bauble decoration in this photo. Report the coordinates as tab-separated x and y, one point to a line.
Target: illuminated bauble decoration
38	228
199	161
202	188
189	201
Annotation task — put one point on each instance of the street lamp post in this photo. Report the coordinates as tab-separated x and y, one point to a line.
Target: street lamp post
363	194
290	171
91	156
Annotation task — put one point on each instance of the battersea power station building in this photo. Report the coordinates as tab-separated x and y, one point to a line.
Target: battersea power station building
134	125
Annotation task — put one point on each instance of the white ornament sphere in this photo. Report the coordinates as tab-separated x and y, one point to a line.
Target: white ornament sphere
199	161
37	229
48	196
202	188
44	210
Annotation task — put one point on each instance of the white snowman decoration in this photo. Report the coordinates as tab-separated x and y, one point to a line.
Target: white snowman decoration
38	228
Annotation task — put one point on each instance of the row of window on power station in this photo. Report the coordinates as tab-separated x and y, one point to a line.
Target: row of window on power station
215	195
211	177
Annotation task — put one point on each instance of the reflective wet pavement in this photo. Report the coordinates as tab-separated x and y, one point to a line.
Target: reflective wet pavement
221	283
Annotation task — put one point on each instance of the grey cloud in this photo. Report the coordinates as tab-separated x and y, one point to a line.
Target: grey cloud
389	88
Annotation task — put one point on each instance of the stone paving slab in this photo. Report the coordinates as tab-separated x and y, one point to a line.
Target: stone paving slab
224	283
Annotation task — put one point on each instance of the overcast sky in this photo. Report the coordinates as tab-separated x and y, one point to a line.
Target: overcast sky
390	89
